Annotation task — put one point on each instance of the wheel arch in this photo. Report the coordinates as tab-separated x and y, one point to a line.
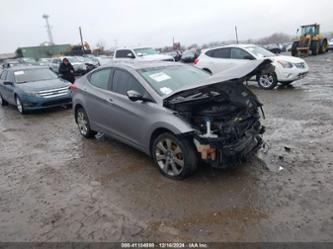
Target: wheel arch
76	107
154	135
158	131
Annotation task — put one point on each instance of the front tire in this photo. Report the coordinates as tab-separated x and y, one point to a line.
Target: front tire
175	157
267	80
83	123
314	47
19	105
294	47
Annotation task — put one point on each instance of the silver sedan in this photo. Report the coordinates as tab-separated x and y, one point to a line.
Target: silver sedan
176	113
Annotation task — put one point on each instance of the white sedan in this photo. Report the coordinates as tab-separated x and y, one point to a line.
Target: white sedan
219	59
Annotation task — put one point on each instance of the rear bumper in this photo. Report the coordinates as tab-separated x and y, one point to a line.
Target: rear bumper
35	103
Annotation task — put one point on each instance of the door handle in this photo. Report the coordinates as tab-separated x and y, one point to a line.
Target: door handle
109	100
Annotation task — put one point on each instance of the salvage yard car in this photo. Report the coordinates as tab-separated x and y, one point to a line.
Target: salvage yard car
141	53
79	67
287	68
330	44
174	112
33	87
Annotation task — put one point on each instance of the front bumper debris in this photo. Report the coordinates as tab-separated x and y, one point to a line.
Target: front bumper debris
217	154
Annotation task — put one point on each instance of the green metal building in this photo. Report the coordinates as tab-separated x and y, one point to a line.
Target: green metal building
43	51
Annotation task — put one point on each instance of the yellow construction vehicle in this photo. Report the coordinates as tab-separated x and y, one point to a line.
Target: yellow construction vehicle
311	41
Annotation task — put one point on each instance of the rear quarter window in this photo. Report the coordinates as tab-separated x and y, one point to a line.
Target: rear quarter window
222	53
101	78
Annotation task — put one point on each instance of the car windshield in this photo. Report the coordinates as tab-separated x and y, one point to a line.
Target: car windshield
260	52
36	74
168	79
145	51
308	30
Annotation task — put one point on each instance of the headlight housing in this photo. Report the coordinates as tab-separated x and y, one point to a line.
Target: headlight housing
285	64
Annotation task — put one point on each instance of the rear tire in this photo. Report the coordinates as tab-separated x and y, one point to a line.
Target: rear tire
2	101
82	121
323	47
175	157
267	81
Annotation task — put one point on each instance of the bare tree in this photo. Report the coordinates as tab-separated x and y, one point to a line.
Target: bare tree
100	45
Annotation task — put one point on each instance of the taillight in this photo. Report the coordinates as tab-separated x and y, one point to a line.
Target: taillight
73	87
196	60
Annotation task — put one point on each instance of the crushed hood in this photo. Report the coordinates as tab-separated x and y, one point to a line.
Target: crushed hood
202	90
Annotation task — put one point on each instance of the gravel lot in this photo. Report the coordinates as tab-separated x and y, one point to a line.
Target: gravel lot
57	186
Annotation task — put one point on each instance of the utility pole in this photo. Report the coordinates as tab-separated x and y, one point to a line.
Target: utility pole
236	34
48	28
82	46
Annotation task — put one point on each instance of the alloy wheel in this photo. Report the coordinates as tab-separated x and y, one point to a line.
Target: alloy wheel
266	80
82	122
169	157
19	105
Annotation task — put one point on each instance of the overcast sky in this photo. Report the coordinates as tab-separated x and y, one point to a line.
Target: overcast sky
154	22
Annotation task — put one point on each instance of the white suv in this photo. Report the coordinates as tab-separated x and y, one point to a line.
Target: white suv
219	59
144	53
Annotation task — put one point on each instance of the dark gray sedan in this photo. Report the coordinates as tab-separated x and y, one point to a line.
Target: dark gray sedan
176	113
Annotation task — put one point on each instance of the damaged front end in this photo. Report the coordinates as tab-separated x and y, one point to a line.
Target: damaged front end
225	118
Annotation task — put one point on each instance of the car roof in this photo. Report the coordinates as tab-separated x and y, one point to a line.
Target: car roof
131	48
232	45
134	64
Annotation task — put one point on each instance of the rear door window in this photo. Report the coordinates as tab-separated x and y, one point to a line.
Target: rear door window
101	78
123	81
219	53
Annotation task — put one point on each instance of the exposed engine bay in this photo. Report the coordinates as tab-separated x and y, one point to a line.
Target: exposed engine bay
226	121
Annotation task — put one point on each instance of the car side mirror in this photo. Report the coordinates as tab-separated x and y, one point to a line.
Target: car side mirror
8	83
135	96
